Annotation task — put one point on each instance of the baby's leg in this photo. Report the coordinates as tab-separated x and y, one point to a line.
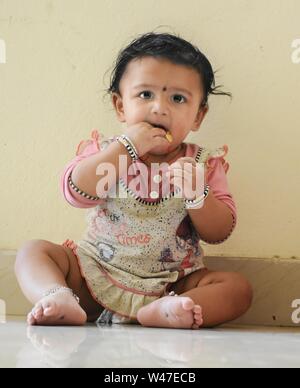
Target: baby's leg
206	299
41	266
223	296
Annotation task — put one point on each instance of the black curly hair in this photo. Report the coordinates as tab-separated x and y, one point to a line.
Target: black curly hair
166	46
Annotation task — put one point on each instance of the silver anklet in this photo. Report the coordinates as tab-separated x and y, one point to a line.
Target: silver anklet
55	290
172	293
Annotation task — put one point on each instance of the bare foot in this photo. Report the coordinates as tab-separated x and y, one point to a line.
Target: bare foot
171	311
58	309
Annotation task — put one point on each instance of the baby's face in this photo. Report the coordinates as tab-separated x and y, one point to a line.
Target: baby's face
160	92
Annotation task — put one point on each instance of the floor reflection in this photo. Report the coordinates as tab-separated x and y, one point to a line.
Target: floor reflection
129	345
51	346
107	346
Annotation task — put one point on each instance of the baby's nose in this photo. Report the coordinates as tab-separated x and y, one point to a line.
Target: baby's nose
160	107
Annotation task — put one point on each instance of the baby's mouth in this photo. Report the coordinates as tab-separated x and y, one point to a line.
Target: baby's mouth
159	126
169	136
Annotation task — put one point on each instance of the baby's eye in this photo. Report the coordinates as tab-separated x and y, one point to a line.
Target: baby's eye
148	95
180	96
146	92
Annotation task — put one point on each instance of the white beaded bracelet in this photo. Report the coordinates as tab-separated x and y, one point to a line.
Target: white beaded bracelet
198	202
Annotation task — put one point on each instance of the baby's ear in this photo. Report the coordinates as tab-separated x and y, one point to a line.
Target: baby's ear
117	102
200	117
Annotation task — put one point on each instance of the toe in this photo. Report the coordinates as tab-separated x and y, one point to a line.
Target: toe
198	317
30	319
195	326
49	309
199	322
29	316
38	313
188	304
197	309
36	309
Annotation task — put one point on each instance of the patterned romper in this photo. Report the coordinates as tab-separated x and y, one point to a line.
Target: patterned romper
135	248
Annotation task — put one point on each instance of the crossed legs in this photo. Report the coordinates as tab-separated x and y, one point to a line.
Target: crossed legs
205	298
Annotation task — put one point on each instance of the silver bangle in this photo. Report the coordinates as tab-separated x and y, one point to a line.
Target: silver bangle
57	289
131	143
129	146
197	203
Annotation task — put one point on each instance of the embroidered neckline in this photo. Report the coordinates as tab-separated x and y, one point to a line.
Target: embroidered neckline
164	199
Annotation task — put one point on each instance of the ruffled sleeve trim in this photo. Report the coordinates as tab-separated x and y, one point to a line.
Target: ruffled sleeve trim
215	155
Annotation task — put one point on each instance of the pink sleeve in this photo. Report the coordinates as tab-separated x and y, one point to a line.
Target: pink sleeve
85	148
217	180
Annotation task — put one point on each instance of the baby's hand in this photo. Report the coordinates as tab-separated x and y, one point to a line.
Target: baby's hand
189	176
145	137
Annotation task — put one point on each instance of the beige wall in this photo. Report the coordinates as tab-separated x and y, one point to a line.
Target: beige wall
51	88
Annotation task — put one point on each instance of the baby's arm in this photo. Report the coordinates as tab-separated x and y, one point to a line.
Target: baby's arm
216	220
84	174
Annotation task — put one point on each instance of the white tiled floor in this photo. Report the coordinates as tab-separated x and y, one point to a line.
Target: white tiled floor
134	346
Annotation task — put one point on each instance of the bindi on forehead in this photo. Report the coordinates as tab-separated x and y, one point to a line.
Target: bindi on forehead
164	88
